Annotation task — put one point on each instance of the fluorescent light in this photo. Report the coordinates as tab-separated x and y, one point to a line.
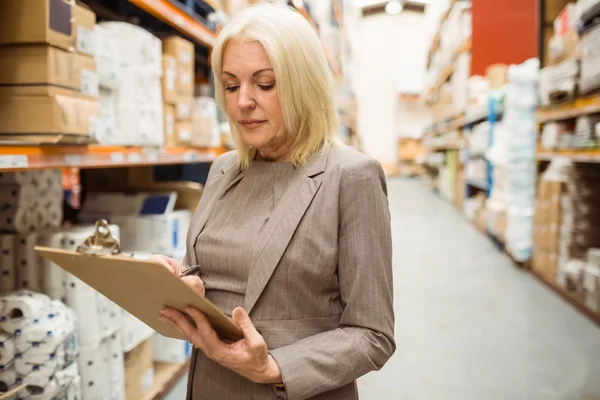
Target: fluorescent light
394	7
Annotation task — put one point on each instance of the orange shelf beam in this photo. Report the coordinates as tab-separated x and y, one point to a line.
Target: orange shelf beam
170	14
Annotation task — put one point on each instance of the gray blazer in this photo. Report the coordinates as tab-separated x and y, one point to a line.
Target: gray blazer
320	283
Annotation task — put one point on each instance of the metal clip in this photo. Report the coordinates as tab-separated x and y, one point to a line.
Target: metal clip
100	242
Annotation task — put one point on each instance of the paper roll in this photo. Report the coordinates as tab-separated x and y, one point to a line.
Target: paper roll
28	263
111	319
116	366
54	278
19	196
93	368
39	366
39	388
82	299
21	308
53	215
8	378
21	177
69	382
8	349
16	220
52	329
8	281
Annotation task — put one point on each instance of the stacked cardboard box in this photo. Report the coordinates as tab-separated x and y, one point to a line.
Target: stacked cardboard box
47	71
139	371
178	90
547	223
591	280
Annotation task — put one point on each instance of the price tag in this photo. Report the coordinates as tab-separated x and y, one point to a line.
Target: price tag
117	158
73	159
152	156
89	83
190	156
135	158
14	161
85	40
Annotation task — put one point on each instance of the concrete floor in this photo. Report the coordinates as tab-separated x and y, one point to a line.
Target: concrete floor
469	325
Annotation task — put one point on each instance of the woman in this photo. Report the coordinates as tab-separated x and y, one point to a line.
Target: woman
292	234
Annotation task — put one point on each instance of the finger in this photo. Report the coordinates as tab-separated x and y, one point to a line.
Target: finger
195	283
242	319
188	330
173	325
167	262
214	347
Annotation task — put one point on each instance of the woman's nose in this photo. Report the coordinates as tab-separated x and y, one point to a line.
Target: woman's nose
246	98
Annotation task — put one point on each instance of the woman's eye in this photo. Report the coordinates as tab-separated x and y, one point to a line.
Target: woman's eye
231	88
266	87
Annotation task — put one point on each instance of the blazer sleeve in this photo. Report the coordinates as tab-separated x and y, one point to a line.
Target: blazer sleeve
364	340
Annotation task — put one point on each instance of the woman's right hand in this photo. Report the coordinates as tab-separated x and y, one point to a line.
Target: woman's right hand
176	268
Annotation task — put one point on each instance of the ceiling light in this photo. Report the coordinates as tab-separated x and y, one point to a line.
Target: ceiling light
394	7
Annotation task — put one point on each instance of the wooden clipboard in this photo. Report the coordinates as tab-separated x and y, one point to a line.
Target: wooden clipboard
142	287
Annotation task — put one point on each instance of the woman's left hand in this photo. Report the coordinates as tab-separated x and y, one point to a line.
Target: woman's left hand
248	357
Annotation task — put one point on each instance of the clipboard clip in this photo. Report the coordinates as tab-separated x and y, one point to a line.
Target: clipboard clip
100	242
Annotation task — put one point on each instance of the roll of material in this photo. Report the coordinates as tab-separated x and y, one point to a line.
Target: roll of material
17	195
93	368
16	220
116	366
69	382
20	177
83	299
40	366
8	280
8	378
53	329
54	278
28	263
111	316
39	388
53	215
8	349
20	309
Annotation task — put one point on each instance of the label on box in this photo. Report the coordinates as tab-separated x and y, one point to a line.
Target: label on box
183	110
185	57
170	79
185	78
89	83
85	40
170	124
184	135
14	161
147	380
93	124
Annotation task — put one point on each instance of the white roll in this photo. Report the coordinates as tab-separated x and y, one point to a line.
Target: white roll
53	277
69	382
8	378
16	220
84	301
21	177
8	281
28	263
8	349
39	366
53	215
112	319
39	388
55	328
17	195
116	366
20	309
93	368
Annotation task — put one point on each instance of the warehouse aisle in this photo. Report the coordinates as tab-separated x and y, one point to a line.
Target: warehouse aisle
469	325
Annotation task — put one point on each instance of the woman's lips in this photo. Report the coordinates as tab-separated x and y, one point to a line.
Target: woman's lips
250	124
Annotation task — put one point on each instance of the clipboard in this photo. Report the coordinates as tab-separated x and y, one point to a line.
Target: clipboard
141	287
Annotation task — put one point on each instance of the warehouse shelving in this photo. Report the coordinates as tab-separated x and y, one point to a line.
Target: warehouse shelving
448	70
567	110
166	376
53	157
590	156
167	12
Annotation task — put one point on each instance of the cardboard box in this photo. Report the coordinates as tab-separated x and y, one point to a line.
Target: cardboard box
170	350
39	65
183	133
168	80
56	114
84	24
169	114
183	107
563	48
496	75
554	211
205	124
37	21
553	237
183	52
139	371
89	77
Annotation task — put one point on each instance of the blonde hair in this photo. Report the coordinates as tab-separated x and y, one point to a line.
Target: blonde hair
305	83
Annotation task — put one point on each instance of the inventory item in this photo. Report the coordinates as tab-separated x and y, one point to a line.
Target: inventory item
183	52
590	59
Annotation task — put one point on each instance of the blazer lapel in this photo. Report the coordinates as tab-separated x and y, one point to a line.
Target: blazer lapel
230	175
281	226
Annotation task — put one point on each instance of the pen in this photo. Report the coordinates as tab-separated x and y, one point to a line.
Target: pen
190	271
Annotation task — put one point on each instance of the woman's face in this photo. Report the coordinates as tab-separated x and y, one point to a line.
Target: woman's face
251	98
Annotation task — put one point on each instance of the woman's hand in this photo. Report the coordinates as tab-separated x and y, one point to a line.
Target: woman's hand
176	268
248	357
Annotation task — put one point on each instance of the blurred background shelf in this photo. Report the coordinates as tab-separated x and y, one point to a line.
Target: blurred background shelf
166	376
567	110
52	157
590	156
